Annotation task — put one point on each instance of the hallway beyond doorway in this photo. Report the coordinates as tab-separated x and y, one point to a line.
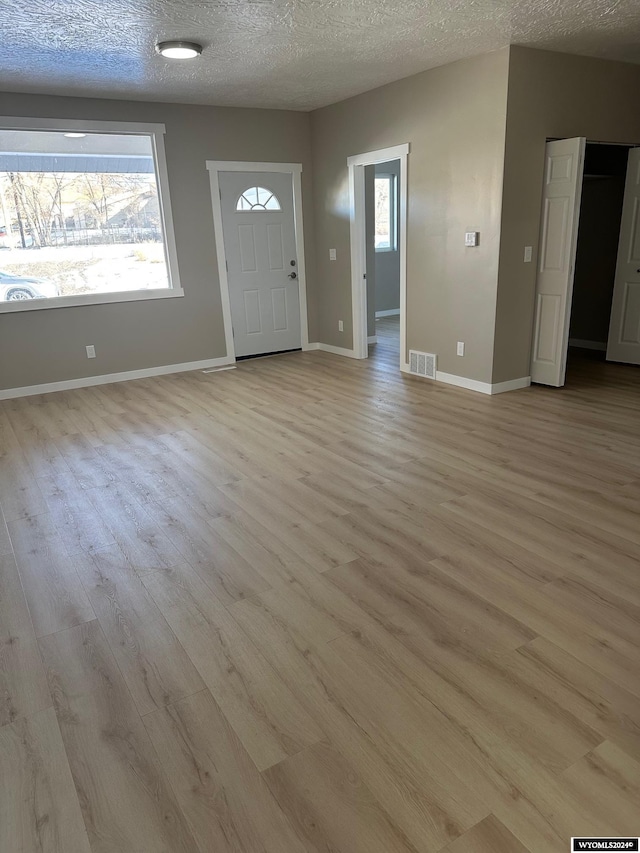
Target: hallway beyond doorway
385	354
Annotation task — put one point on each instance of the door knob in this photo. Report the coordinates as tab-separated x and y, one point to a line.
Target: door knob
292	275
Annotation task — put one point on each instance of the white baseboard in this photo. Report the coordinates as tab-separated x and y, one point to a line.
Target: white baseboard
463	382
107	378
596	345
372	339
163	370
510	385
347	353
483	387
392	312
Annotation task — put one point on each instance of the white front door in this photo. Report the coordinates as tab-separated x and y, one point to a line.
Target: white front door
260	247
561	196
624	328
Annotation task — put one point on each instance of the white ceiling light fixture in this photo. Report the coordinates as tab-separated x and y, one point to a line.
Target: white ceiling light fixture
75	135
178	49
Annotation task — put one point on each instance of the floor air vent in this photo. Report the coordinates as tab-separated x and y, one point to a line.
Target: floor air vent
422	363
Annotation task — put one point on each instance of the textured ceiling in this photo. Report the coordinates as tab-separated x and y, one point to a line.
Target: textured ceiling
296	54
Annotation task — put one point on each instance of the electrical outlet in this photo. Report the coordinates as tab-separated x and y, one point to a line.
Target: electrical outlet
91	351
528	251
460	348
472	238
340	326
332	254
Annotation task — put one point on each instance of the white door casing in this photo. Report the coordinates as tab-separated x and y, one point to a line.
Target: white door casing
355	165
262	264
624	328
562	192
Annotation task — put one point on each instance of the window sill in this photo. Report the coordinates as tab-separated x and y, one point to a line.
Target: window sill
89	299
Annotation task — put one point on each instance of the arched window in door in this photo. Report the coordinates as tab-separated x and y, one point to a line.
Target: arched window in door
257	199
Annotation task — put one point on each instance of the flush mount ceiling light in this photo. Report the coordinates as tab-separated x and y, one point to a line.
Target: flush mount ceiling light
75	135
179	49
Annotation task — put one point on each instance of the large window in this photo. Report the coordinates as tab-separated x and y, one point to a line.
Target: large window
385	213
82	218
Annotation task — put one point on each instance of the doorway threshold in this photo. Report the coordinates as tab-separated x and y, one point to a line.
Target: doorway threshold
267	354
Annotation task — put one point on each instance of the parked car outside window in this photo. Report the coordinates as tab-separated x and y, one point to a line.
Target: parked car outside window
16	287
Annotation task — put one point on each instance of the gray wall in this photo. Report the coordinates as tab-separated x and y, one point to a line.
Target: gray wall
47	346
454	118
596	257
387	264
551	95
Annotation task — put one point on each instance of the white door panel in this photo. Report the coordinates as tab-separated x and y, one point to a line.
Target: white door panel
275	245
558	235
247	248
624	328
260	246
279	308
252	320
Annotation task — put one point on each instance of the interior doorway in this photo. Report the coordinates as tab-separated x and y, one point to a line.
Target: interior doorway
382	235
378	209
588	283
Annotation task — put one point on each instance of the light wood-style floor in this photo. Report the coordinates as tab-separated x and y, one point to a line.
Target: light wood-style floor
312	605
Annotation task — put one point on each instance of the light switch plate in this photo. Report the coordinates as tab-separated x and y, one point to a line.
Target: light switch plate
472	238
332	254
528	253
460	348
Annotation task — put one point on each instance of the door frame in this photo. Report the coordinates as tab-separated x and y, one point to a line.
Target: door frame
356	164
214	167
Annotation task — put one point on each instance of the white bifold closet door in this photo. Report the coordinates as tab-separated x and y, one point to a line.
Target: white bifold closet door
561	197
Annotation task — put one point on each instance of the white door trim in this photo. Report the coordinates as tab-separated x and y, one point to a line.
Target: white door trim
214	167
356	165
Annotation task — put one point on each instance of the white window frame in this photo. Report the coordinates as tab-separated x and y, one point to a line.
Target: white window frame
393	208
156	133
256	208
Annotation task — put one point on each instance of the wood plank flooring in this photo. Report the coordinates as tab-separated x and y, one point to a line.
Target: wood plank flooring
313	605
